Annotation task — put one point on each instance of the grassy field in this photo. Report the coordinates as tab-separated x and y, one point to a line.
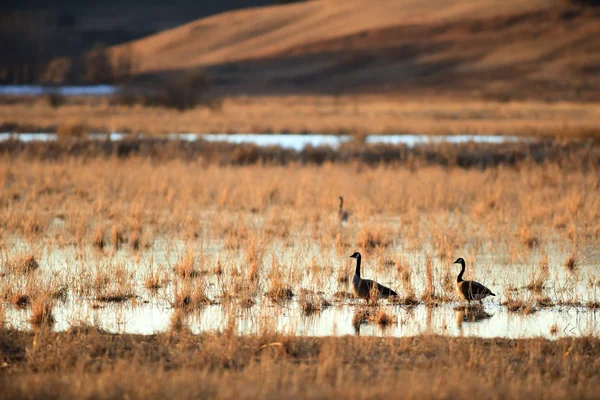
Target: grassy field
313	114
96	230
200	232
86	363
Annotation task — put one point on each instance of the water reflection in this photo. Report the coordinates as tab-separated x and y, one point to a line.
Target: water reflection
335	313
470	314
344	319
287	141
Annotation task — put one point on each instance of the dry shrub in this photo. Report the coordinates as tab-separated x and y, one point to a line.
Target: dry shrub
384	319
545	301
408	300
279	291
370	238
71	130
116	237
361	316
518	305
593	304
311	302
254	255
56	100
571	263
538	281
20	300
188	297
183	93
429	293
101	279
22	264
178	319
527	237
186	266
153	281
368	315
41	312
218	268
342	295
134	240
98	239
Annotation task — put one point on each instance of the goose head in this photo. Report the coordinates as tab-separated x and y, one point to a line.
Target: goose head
459	261
355	255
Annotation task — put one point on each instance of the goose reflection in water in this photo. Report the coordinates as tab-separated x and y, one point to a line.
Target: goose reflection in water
470	314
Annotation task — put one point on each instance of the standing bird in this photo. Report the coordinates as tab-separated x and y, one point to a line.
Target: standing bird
366	288
470	290
342	214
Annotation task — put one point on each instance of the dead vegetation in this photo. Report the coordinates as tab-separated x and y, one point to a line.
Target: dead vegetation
262	240
180	365
21	264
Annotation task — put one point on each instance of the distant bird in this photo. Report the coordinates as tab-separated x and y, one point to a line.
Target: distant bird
342	214
470	290
366	288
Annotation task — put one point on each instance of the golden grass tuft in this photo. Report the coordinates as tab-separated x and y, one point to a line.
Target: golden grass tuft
154	281
280	292
41	312
571	263
370	238
98	239
186	266
311	303
384	319
365	315
22	264
518	305
116	237
188	297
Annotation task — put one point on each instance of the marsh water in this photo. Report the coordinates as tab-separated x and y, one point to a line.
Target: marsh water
63	90
150	311
288	141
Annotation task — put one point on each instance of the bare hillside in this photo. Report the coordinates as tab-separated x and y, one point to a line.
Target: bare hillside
518	48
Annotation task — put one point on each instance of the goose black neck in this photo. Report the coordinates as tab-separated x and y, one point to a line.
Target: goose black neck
459	278
341	202
357	271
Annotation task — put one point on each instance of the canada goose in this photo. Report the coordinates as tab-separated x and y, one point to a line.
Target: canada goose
366	288
470	290
342	214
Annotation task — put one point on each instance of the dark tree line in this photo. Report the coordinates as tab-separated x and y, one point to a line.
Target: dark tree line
48	47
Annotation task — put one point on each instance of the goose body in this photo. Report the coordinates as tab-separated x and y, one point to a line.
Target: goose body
366	288
470	290
342	214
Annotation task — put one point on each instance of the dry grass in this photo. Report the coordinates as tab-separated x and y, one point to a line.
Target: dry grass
365	315
180	365
186	266
41	312
98	239
326	114
520	305
211	232
21	264
311	302
571	263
